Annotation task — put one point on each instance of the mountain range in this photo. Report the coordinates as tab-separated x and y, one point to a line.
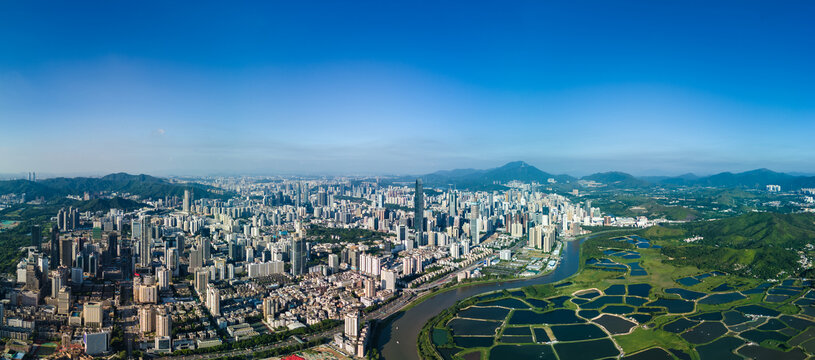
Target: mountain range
492	178
145	186
148	187
522	171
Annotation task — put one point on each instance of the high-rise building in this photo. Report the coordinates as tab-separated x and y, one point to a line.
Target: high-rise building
452	203
145	252
474	214
61	219
92	314
54	247
58	280
163	274
490	205
370	288
535	237
455	250
351	325
36	237
66	251
32	277
298	256
389	278
93	264
196	258
297	198
164	322
201	281
96	343
269	307
135	229
147	319
171	261
548	238
401	234
64	300
214	301
333	262
418	212
113	244
187	201
206	250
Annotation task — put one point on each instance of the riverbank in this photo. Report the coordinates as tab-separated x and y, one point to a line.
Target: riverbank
510	279
399	333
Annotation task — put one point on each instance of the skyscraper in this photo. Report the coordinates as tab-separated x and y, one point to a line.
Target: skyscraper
54	247
298	256
452	202
186	205
297	197
113	242
66	250
206	248
418	212
36	237
474	223
145	256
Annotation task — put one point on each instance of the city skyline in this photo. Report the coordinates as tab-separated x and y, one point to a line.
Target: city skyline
407	180
167	89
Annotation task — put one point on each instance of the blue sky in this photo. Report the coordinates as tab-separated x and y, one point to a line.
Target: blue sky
650	87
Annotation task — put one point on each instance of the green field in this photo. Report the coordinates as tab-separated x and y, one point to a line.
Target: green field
713	314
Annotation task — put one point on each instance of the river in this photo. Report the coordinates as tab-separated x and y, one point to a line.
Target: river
397	338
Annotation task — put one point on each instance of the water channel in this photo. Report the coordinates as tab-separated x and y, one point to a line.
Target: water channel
397	338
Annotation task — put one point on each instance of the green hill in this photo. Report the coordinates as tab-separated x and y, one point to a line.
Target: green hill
145	186
755	230
487	179
754	179
107	204
616	179
30	188
763	245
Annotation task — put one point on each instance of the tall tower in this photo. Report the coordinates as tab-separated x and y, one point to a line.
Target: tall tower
186	205
418	212
54	260
297	196
145	256
298	256
66	250
36	237
452	202
474	223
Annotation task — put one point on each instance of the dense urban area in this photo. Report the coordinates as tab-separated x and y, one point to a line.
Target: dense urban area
128	266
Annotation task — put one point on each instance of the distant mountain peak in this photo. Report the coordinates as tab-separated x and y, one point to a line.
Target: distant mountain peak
516	164
494	177
760	171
